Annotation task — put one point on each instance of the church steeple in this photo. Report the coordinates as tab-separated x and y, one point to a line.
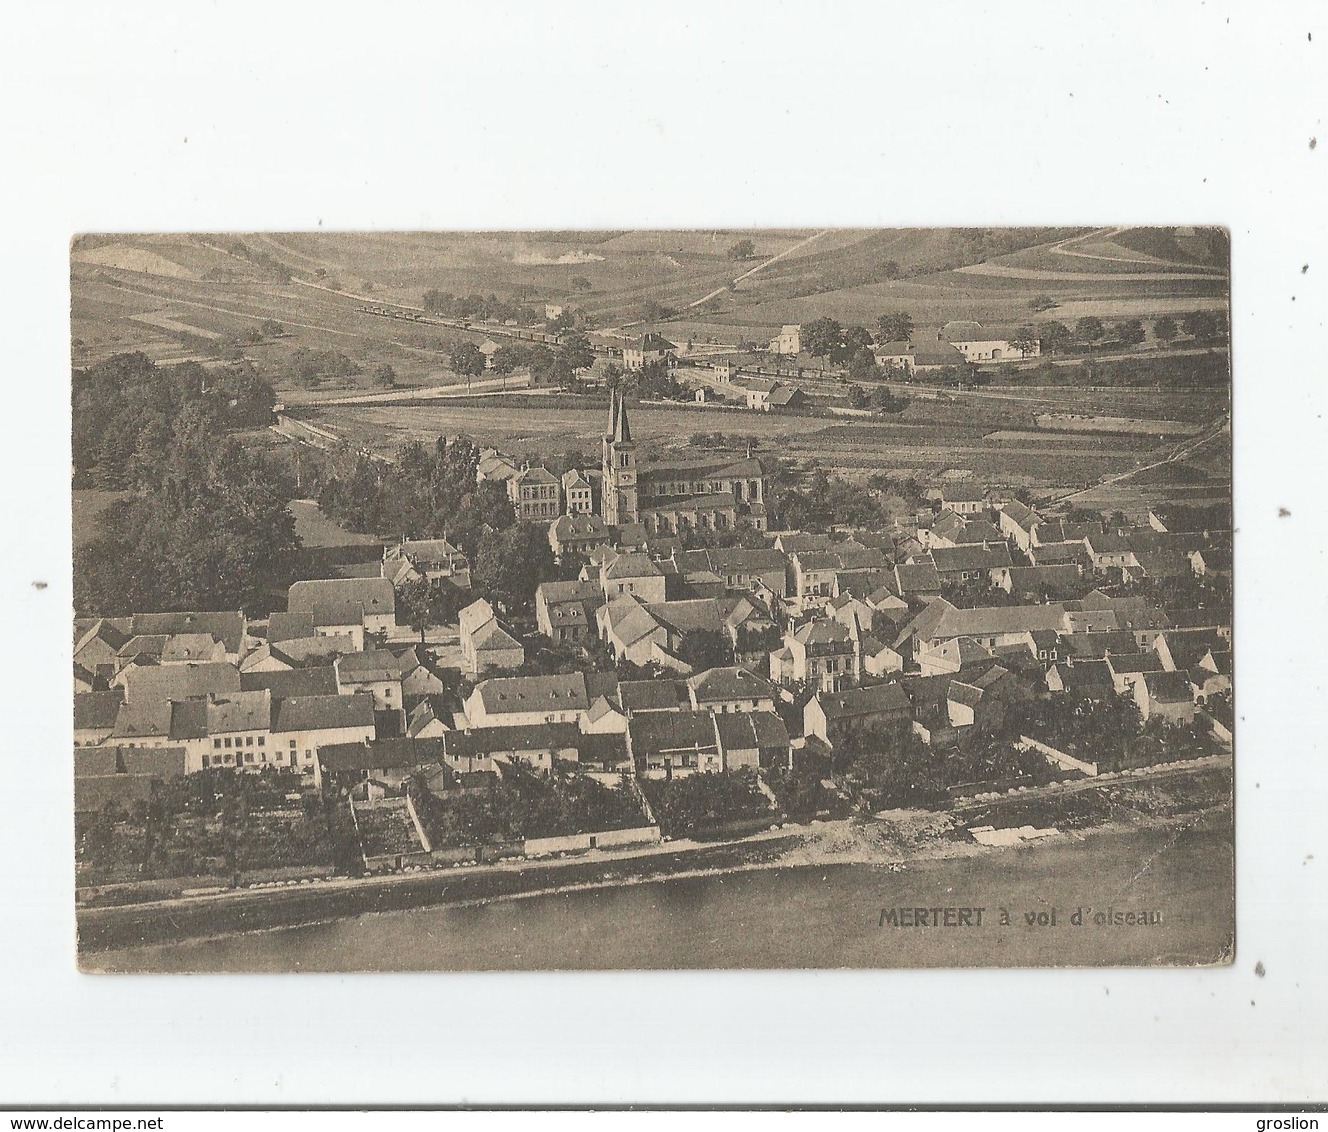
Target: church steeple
622	433
618	498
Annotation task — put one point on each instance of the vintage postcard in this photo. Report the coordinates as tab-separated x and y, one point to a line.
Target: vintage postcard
652	599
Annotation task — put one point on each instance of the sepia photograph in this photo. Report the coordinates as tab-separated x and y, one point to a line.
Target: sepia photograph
652	599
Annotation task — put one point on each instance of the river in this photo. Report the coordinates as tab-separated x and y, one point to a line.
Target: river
796	916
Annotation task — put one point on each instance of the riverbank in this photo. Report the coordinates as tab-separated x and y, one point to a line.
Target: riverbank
893	841
1165	888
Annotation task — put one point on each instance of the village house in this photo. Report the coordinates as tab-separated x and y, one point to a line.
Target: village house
673	744
485	644
647	349
917	579
578	493
520	700
414	559
334	603
831	715
921	356
787	341
731	689
756	570
1165	695
634	574
1017	523
495	466
970	563
991	625
754	739
534	494
94	716
964	497
303	725
564	611
822	653
377	672
579	534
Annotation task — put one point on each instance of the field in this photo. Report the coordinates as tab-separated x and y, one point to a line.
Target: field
995	437
143	292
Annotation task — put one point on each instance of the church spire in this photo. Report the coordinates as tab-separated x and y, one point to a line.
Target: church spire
622	433
613	413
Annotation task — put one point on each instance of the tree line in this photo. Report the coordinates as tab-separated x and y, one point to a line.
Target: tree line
206	524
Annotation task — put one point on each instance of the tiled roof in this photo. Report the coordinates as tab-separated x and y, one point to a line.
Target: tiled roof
732	683
314	713
534	693
180	681
374	594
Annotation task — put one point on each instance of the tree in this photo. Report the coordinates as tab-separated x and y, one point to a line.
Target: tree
271	328
1164	329
891	270
1040	303
428	601
580	283
507	357
1025	340
1131	332
540	359
1089	329
822	337
438	302
1055	336
467	361
853	339
896	326
575	351
857	397
862	366
385	376
743	249
1203	326
512	563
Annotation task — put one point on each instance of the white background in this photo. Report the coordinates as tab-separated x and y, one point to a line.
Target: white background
242	116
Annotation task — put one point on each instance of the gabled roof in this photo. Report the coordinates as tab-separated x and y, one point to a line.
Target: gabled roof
825	632
551	593
374	594
226	625
373	665
180	681
380	754
653	732
964	491
876	699
289	627
320	681
192	646
96	711
537	474
693	615
239	711
632	566
917	577
731	683
751	730
949	559
1168	687
650	695
315	713
534	693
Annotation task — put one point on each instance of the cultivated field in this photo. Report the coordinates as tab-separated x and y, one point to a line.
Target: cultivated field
928	437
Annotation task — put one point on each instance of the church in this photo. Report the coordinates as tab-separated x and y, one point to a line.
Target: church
669	496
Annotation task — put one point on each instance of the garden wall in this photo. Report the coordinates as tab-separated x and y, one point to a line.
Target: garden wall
1060	758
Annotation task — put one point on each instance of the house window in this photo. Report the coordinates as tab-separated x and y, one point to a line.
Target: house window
262	740
249	741
292	744
248	757
216	743
228	741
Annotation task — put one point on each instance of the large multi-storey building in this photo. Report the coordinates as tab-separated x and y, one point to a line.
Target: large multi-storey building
666	497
